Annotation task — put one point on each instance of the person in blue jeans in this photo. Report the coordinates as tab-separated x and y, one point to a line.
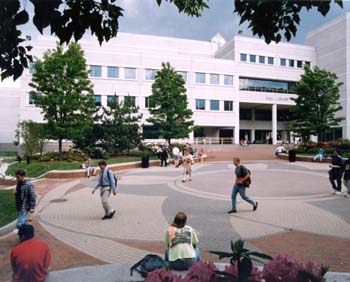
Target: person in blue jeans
182	244
242	174
25	198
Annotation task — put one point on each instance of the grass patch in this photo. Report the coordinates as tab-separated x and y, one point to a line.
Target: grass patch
37	168
8	154
8	211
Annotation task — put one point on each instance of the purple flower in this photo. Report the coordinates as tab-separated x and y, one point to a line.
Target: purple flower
281	268
201	272
233	269
161	275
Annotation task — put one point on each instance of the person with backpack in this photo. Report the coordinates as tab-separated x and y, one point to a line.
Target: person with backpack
241	183
107	183
181	240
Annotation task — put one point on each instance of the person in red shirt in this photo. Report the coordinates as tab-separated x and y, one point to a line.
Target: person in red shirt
30	259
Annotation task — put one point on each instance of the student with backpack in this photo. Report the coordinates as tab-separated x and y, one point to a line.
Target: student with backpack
242	182
107	183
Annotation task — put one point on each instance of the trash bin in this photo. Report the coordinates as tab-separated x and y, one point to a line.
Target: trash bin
145	161
292	155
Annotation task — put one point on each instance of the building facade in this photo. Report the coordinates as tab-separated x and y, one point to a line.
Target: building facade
237	89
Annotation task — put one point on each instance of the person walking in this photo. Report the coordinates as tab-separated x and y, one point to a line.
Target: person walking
164	157
187	163
25	198
30	260
242	174
336	172
107	184
176	152
182	244
347	176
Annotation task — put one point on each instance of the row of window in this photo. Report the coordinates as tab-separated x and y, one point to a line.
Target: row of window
214	105
271	60
264	85
265	115
131	100
150	74
255	59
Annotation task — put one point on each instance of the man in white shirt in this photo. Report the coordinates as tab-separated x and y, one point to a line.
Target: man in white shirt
176	152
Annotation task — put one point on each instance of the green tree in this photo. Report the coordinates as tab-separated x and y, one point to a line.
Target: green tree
69	19
168	107
274	20
31	137
64	92
121	129
316	104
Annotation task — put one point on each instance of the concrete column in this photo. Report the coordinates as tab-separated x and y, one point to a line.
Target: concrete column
236	128
191	136
274	124
252	135
253	114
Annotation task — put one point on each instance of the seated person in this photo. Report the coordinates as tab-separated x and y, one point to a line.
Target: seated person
201	155
30	259
181	240
280	149
320	154
89	167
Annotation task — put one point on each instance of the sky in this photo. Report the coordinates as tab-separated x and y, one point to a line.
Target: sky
145	17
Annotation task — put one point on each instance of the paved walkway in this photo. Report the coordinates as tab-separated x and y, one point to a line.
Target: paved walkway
296	215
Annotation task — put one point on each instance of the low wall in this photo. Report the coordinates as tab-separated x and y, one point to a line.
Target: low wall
301	158
79	173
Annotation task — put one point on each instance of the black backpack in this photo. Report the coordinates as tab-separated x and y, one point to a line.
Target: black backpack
115	178
148	264
248	181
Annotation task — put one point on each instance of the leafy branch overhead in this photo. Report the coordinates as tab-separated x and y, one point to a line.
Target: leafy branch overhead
274	20
71	19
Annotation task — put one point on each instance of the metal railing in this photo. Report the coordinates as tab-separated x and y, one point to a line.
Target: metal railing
213	140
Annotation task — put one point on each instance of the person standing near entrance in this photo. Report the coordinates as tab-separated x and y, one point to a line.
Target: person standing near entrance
187	163
242	174
107	184
336	172
25	198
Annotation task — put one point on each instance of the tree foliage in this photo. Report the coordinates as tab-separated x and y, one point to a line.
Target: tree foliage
64	92
168	105
120	124
317	103
274	20
66	19
30	137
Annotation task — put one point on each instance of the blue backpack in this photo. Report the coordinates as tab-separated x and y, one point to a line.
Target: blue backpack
148	264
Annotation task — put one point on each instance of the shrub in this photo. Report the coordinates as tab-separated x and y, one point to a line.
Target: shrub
70	156
256	275
201	272
281	268
161	275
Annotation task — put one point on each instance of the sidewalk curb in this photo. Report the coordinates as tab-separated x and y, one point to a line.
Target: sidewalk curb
5	230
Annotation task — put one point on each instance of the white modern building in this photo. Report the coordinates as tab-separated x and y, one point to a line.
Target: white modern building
238	88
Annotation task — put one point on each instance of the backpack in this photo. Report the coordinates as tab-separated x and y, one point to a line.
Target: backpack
148	264
115	178
248	181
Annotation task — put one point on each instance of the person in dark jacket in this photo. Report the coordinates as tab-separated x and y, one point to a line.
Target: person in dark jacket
347	176
336	172
25	197
164	157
